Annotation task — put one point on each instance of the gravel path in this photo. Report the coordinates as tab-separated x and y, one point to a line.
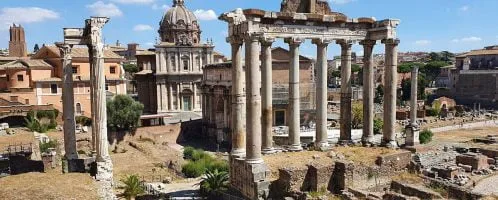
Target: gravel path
487	186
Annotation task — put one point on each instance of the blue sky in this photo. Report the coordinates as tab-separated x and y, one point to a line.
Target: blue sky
426	25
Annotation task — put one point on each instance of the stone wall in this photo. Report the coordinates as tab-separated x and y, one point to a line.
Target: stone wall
477	162
490	153
398	161
20	164
252	180
413	190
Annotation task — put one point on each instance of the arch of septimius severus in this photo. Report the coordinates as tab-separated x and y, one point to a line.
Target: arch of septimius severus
297	21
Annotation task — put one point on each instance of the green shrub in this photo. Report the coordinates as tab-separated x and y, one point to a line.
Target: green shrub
187	152
83	120
426	136
432	112
378	125
45	146
33	124
219	165
199	155
194	169
132	187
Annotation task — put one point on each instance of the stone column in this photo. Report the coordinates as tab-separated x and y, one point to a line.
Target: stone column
346	91
178	108
238	99
170	97
164	98
194	98
390	87
294	101
267	95
93	103
412	130
158	97
321	141
68	104
253	106
97	60
368	92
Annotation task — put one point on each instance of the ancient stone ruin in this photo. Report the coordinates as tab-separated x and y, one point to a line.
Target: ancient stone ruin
297	21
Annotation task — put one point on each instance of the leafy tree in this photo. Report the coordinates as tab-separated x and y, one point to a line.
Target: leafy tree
447	56
123	113
432	69
357	115
47	145
434	56
132	187
36	48
33	124
355	68
426	136
408	66
130	68
406	89
378	125
214	183
379	94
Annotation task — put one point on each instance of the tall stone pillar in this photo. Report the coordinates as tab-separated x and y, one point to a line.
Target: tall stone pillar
93	103
368	92
158	98
253	107
238	99
346	91
294	101
194	98
170	97
267	94
178	103
68	104
321	141
390	87
412	130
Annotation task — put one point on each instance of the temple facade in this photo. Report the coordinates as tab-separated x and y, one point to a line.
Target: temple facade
170	75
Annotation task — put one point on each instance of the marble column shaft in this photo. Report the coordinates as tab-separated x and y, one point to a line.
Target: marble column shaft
346	91
368	91
294	101
414	96
68	104
253	98
267	95
390	91
93	103
238	99
170	97
321	94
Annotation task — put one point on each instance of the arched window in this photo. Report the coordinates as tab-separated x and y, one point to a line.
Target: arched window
78	108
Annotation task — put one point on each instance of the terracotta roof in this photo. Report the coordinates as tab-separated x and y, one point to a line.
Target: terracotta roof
80	52
25	64
480	52
141	53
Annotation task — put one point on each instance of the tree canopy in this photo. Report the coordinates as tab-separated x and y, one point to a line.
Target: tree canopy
123	113
130	68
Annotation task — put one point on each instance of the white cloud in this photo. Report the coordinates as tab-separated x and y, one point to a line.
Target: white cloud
134	1
205	14
142	27
341	1
467	39
100	8
464	8
422	42
25	15
163	7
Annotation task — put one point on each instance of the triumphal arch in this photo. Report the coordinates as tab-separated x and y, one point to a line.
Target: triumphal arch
297	21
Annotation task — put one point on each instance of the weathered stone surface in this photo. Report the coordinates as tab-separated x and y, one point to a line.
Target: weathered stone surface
399	160
477	162
413	190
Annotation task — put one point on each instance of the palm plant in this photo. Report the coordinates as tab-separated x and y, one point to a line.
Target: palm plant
132	187
214	182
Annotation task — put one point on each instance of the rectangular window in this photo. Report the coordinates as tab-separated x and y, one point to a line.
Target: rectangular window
20	77
185	65
112	70
75	70
53	88
106	87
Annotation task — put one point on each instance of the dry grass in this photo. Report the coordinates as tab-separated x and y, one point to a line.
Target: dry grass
466	136
295	160
410	178
363	155
50	185
22	136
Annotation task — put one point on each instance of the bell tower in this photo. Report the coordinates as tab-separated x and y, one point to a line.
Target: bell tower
17	43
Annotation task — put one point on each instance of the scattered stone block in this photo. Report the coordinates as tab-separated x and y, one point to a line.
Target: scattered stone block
414	190
477	161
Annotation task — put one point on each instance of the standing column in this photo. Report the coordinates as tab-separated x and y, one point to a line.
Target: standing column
294	107
253	106
93	103
68	104
158	97
194	98
97	60
164	97
321	141
346	91
390	86
238	99
368	92
178	97
267	94
414	96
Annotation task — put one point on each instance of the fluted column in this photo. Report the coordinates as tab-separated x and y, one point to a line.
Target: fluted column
267	94
68	104
346	91
321	141
294	101
390	86
368	92
238	99
253	107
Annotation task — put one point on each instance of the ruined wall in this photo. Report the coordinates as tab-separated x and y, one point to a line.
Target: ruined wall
305	6
412	190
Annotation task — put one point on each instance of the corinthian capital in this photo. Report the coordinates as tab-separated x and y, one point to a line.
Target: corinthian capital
345	43
65	50
267	41
391	41
368	43
294	41
322	41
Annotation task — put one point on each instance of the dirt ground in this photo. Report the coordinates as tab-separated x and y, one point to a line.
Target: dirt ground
50	185
465	137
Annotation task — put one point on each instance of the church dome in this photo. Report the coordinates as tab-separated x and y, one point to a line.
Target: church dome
179	25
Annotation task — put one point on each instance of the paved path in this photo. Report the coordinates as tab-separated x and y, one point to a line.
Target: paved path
487	186
489	123
185	190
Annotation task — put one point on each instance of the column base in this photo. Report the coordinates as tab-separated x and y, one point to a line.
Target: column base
268	151
412	135
295	148
390	144
238	152
345	143
254	161
368	141
104	171
77	165
323	146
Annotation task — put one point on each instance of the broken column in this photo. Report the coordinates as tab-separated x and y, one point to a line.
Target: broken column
321	141
390	92
412	130
368	92
96	46
294	101
68	104
267	94
346	92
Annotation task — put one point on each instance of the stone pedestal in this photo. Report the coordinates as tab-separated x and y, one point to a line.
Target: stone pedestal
412	135
252	180
104	171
